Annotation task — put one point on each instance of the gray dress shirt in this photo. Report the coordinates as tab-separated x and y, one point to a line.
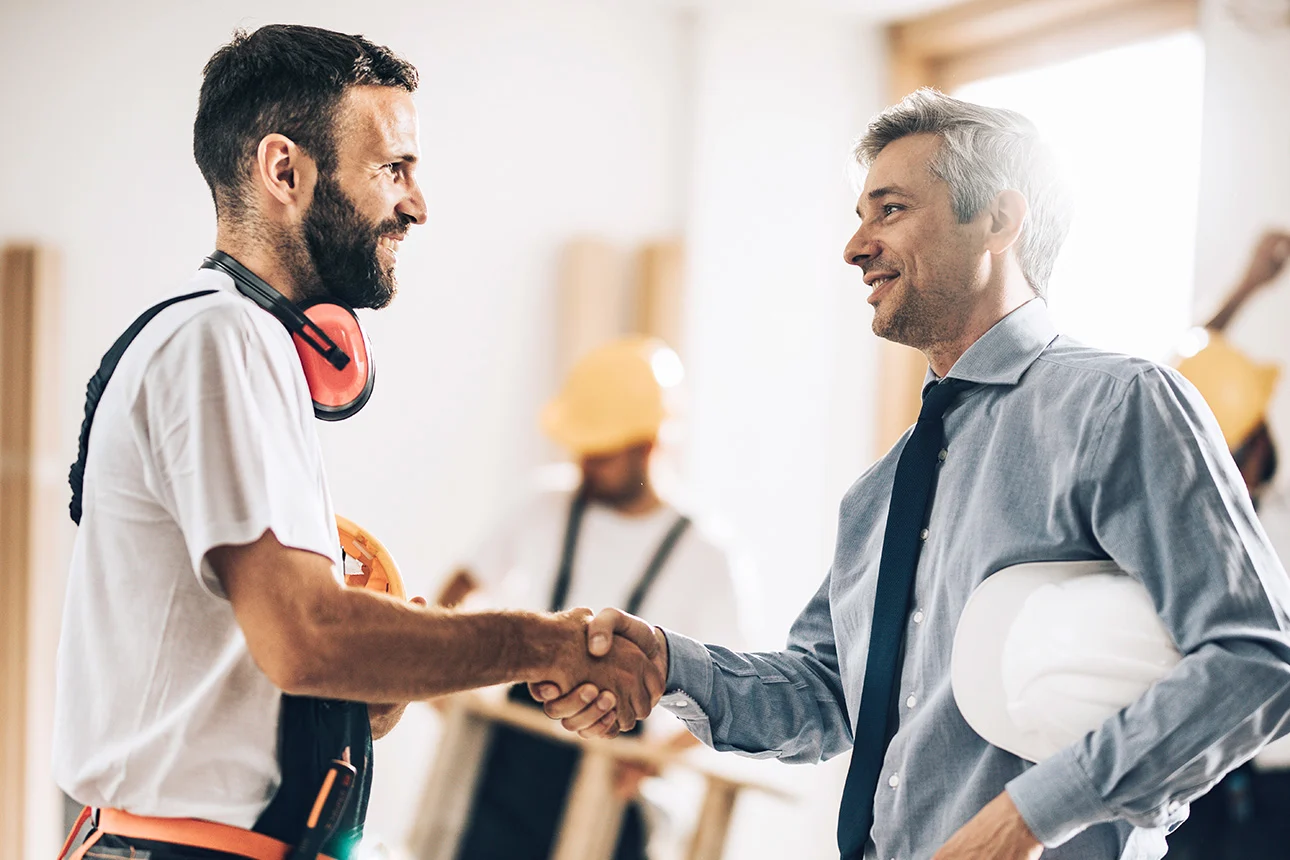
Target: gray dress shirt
1059	453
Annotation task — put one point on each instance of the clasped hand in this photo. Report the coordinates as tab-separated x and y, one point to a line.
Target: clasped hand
615	678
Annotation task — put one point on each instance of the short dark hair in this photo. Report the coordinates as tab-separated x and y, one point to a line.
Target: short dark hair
285	79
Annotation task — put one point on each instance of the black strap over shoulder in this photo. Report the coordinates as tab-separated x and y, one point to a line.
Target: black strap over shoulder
655	566
94	392
564	576
568	550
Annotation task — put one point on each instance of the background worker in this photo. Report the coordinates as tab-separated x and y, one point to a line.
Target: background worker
597	536
1245	815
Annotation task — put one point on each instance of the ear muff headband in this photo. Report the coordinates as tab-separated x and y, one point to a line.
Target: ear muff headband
333	348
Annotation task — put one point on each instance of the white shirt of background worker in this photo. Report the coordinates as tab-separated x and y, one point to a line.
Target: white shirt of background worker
608	416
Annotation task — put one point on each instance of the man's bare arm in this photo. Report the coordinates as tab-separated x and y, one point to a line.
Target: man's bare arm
311	636
1267	261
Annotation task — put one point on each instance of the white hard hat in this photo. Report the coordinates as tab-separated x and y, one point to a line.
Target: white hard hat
1046	652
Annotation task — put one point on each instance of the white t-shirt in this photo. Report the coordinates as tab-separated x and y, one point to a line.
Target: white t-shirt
204	437
698	592
694	593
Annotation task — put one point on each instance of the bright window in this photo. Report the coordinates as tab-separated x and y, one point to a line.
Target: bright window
1126	126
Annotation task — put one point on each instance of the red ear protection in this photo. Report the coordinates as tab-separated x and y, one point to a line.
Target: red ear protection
334	351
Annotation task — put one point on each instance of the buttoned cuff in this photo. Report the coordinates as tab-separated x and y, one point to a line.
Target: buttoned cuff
689	683
1057	800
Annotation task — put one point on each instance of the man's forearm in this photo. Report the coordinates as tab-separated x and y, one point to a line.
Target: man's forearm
312	636
362	647
383	718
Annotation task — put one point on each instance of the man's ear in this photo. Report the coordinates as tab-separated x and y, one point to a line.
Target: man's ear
284	171
1007	215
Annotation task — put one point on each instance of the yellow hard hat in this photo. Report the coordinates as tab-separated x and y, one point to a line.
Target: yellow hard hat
1236	388
614	397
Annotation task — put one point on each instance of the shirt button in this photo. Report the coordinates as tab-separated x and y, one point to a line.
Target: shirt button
894	781
941	456
922	535
911	701
1174	806
918	617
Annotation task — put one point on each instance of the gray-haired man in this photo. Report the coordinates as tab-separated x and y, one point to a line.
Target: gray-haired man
1030	448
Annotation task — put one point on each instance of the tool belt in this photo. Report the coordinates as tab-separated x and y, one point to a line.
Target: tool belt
319	806
188	832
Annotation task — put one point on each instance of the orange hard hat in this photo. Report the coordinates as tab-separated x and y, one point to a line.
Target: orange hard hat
367	563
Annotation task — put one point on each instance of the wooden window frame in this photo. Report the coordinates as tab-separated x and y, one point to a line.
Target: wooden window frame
32	534
951	47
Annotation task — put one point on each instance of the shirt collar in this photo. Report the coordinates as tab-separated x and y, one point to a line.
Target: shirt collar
1006	351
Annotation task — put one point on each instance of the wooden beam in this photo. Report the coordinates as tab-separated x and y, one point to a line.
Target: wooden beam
978	23
660	291
34	534
17	317
593	303
986	24
1125	25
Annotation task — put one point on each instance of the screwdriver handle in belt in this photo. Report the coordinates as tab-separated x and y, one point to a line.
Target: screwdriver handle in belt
327	809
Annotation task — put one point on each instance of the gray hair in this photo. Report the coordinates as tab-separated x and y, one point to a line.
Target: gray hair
984	151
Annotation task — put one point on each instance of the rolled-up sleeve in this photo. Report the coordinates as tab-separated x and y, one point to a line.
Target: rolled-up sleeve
1166	503
786	705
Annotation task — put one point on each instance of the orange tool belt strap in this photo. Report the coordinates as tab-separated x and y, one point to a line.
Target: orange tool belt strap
179	831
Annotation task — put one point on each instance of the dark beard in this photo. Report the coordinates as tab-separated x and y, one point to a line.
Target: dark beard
342	248
621	498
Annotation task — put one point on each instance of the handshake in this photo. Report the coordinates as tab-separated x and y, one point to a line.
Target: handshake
607	675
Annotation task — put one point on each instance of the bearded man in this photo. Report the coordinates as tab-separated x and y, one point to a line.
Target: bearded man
218	687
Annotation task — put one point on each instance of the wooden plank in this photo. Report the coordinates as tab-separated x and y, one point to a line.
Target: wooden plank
592	301
17	317
899	392
980	24
449	791
709	842
593	813
660	291
35	535
1118	27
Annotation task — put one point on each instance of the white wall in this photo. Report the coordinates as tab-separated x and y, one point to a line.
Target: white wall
1245	184
778	335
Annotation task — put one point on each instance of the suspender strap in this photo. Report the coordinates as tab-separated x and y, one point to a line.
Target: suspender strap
565	574
656	565
564	577
94	392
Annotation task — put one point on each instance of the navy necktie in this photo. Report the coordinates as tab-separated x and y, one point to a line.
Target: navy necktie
906	515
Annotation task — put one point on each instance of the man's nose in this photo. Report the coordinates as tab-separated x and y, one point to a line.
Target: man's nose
861	248
413	205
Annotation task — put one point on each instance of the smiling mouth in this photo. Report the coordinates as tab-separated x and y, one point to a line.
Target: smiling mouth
390	245
878	286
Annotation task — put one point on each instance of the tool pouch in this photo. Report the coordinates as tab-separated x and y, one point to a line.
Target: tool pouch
312	732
